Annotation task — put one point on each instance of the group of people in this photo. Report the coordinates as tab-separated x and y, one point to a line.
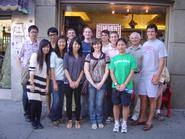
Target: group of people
100	73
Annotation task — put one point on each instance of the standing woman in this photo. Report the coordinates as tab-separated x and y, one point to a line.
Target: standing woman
96	71
73	69
122	68
38	83
57	84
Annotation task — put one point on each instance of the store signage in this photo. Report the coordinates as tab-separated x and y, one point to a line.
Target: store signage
109	27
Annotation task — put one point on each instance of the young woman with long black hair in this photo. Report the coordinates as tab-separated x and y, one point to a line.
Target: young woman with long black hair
38	82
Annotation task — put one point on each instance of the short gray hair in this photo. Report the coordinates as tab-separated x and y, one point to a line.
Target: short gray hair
135	34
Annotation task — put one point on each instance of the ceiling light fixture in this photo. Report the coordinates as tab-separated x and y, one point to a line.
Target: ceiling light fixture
132	23
146	11
113	12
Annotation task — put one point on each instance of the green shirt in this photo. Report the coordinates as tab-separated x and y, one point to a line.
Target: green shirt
122	64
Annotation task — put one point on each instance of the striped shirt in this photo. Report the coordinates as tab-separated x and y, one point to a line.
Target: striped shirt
40	78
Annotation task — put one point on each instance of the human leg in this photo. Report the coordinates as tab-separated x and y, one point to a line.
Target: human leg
77	96
38	114
33	112
99	105
26	103
92	103
56	98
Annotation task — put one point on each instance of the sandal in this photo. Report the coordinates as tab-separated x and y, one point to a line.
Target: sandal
55	123
135	123
77	125
147	127
69	124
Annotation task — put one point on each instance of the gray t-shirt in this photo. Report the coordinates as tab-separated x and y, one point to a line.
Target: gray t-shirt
74	67
137	53
153	50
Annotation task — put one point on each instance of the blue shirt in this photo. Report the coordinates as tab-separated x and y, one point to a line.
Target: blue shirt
86	48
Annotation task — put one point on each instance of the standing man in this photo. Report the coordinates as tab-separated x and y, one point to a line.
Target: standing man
154	55
136	50
111	52
53	36
105	41
71	33
28	47
86	49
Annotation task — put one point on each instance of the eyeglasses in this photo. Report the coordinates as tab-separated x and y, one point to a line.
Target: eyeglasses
34	32
52	34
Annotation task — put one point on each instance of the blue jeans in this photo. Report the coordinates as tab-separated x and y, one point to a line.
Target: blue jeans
25	101
96	103
57	101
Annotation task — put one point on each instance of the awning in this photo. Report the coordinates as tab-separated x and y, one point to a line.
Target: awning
14	5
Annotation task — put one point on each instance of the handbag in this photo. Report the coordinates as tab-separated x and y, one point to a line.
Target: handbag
25	75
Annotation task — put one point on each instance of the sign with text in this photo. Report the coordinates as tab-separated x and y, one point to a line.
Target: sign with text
109	27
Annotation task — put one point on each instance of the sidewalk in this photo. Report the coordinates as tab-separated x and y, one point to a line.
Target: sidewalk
13	126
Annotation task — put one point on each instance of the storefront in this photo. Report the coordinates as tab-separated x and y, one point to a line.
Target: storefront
121	15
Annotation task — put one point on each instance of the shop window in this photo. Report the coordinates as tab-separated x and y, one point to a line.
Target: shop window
130	17
5	79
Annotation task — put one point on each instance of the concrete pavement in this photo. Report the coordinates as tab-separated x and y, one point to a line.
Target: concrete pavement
13	126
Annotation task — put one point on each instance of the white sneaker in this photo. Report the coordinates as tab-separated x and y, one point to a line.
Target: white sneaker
94	126
134	117
100	125
116	127
124	127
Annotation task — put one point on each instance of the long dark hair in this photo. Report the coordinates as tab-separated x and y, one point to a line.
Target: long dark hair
75	39
57	51
40	55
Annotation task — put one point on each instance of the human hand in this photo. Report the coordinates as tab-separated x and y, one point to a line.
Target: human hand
99	85
76	84
72	85
32	87
55	86
155	79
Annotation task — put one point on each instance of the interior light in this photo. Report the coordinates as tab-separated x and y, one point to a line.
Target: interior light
128	10
146	11
83	15
113	12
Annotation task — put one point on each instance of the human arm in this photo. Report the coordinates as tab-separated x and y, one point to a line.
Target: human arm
32	68
114	79
52	71
47	84
88	75
156	76
130	76
55	85
100	84
71	82
77	82
66	71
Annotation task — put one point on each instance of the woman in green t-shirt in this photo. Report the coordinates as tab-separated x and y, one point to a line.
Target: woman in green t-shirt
122	68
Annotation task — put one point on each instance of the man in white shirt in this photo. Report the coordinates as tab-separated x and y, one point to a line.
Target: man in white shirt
154	55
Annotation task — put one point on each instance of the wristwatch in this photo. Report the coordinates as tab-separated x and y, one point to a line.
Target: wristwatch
115	83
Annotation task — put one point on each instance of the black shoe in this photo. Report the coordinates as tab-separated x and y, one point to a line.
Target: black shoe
40	126
34	125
